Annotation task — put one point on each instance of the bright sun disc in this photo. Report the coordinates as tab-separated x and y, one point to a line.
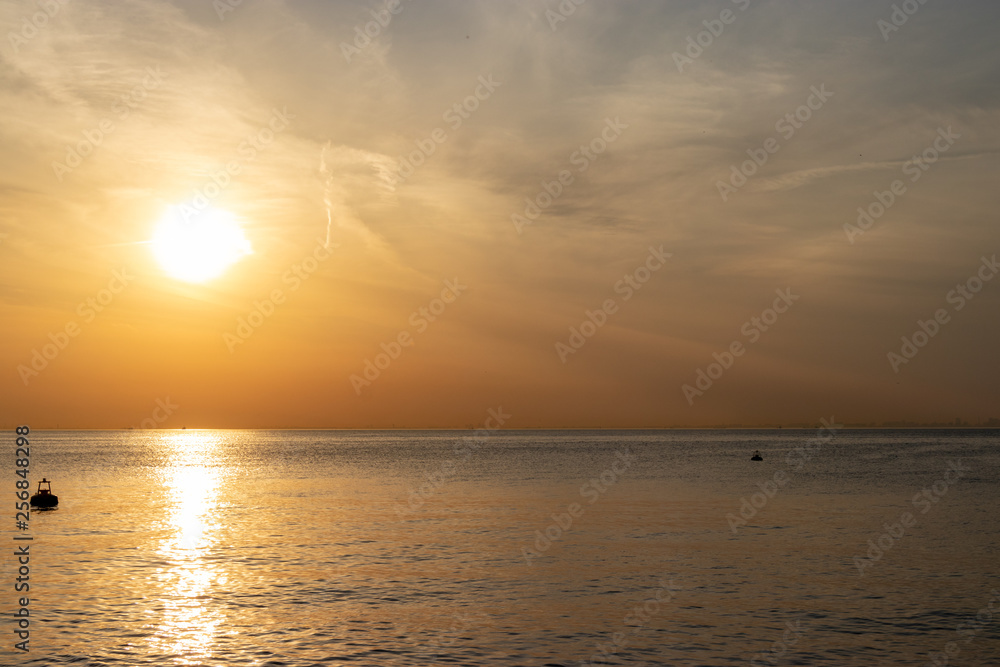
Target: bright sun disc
199	246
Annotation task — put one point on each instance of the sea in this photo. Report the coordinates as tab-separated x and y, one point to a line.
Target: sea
536	548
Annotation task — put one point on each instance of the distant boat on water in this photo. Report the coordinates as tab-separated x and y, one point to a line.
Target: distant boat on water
756	456
44	497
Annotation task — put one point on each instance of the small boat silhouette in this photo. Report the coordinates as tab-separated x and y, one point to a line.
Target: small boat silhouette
44	497
756	456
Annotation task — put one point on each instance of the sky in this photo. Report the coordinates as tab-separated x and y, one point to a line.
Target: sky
604	214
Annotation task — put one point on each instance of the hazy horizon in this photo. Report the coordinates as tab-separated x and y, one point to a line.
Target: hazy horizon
890	426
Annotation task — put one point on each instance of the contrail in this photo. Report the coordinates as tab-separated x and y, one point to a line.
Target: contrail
326	191
348	171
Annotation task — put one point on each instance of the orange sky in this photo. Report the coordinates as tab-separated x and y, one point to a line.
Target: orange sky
569	215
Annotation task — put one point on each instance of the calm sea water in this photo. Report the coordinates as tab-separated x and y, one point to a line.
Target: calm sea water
525	548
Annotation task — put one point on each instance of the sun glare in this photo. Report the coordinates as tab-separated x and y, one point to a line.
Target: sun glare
196	246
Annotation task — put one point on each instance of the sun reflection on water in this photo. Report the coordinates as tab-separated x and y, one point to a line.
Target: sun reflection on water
189	574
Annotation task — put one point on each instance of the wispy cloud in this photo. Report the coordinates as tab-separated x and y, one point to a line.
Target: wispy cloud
796	179
345	172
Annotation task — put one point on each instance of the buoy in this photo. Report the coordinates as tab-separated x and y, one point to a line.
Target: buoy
44	497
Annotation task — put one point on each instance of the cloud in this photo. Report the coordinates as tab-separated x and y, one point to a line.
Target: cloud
796	179
348	172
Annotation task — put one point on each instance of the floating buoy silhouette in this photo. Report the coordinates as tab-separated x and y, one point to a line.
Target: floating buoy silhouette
44	497
756	456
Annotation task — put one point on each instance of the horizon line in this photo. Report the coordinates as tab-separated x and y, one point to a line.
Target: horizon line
796	427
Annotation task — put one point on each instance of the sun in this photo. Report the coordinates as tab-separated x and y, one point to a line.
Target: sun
196	246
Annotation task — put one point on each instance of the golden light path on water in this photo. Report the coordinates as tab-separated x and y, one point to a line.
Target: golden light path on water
188	626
